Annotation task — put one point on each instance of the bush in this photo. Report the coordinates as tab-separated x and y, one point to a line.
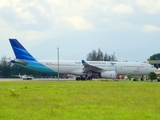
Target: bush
129	76
135	78
152	76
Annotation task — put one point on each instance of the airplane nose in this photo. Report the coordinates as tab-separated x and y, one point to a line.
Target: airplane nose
155	69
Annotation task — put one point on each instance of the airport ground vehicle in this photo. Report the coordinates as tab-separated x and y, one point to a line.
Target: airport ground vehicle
27	77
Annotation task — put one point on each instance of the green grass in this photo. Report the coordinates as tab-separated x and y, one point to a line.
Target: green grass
77	100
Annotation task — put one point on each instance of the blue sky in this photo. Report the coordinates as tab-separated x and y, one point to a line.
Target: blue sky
130	29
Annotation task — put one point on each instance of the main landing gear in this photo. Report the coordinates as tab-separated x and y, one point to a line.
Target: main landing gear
83	78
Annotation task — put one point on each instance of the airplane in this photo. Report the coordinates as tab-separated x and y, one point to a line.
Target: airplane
83	70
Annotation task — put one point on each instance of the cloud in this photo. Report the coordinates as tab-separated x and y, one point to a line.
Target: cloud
150	6
78	23
62	14
77	14
3	3
150	28
122	9
36	17
28	17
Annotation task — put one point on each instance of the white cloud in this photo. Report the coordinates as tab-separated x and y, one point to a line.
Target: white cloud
67	8
63	15
150	28
76	12
28	17
150	6
24	13
3	3
21	9
78	23
66	14
122	9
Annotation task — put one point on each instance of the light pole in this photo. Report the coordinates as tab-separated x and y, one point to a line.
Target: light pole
58	61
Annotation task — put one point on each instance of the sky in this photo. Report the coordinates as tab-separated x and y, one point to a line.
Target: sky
128	28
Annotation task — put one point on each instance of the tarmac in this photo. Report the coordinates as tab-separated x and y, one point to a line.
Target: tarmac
63	79
35	79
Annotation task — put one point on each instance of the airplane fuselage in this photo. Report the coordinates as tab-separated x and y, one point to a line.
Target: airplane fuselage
122	68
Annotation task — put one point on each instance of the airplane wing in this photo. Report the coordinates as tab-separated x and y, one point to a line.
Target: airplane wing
90	68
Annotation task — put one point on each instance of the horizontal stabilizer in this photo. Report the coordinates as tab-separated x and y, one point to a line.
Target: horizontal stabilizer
19	62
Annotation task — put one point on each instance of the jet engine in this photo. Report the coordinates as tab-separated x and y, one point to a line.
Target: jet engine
108	74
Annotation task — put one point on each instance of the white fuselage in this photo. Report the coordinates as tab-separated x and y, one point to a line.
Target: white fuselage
121	68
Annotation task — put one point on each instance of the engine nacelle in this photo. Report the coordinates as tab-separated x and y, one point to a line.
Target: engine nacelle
108	74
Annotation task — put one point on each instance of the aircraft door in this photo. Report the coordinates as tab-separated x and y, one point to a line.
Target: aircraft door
119	69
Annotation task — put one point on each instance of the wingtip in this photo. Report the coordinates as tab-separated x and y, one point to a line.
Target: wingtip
84	62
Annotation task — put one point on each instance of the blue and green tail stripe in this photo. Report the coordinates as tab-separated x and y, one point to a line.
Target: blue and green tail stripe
25	59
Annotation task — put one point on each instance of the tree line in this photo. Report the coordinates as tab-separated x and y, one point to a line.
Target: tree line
155	57
100	56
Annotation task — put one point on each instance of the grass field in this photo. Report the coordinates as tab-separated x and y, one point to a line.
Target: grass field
77	100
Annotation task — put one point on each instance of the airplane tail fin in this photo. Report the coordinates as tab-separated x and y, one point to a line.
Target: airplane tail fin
25	59
19	51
